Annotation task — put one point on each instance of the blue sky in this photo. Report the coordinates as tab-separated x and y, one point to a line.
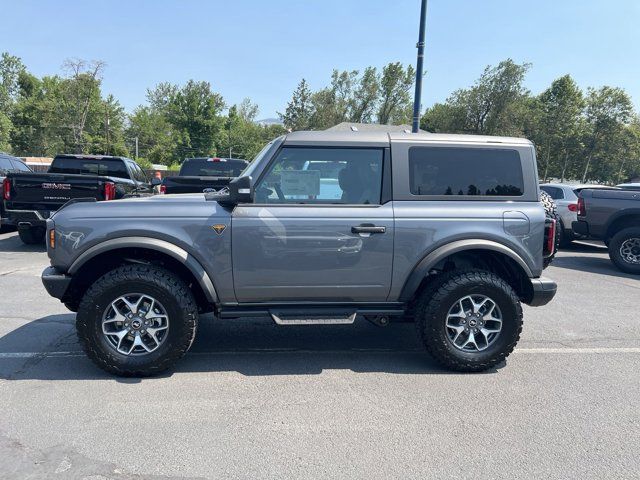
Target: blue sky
261	49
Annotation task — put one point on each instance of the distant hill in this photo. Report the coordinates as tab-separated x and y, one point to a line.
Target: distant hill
269	121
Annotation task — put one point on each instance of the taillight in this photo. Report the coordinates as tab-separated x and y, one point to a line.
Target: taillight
550	237
573	207
109	190
163	189
6	188
582	209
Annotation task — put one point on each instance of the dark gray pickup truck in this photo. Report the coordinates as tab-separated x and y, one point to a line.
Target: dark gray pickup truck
203	175
612	215
30	198
321	228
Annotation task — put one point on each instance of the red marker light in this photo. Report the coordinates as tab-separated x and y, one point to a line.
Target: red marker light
573	207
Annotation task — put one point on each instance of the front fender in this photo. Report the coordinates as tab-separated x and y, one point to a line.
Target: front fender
151	244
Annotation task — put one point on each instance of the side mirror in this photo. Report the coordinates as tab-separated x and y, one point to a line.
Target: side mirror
241	190
155	181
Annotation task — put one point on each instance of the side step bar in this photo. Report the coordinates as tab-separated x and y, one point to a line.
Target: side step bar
314	320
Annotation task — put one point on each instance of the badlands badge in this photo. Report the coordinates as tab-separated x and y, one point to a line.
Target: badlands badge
219	228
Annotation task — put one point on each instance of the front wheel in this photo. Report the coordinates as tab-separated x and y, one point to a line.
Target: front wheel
470	321
137	320
624	250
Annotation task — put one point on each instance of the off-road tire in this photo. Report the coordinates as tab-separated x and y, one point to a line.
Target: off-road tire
32	236
174	294
431	313
551	211
614	250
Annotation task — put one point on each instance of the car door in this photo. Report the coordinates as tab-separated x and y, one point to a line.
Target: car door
320	229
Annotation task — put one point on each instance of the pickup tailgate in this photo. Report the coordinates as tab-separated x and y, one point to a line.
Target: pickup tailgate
49	191
192	184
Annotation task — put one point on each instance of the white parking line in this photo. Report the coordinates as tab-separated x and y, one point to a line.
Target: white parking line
534	351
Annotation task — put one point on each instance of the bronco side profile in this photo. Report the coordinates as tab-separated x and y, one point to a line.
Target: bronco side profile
321	228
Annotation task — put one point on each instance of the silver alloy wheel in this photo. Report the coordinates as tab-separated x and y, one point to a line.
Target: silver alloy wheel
135	324
474	323
630	251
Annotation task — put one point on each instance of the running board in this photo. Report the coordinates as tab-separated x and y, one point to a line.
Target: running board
314	320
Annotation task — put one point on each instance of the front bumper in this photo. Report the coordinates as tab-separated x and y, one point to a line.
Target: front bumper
56	282
543	290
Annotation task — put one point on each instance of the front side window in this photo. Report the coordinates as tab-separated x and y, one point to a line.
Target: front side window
324	176
465	171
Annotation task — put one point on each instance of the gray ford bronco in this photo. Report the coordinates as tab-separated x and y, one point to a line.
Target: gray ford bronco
321	228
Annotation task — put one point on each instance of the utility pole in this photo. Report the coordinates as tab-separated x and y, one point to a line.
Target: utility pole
136	148
419	68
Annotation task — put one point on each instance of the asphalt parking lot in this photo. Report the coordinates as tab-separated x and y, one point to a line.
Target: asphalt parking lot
252	400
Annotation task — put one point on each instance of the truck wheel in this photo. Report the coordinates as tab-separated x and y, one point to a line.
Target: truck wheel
470	322
32	236
137	320
624	250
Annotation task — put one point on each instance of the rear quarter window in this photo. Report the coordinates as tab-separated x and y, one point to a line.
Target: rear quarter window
465	172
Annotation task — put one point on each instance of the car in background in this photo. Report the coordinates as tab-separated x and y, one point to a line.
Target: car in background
203	174
8	164
566	198
30	198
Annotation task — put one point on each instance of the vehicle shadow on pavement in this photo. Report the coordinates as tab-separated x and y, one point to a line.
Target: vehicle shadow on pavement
250	347
12	243
601	266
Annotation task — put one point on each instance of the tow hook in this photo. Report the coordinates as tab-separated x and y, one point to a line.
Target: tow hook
379	320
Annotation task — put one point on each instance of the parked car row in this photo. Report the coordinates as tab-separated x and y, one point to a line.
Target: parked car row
610	214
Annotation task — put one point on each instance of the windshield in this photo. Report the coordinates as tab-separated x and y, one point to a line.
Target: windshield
208	167
248	172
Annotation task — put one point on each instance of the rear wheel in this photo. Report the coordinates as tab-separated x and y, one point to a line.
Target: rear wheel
624	250
470	322
137	320
32	236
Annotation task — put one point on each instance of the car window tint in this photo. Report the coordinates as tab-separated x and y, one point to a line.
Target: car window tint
138	174
209	167
554	192
85	166
465	171
323	175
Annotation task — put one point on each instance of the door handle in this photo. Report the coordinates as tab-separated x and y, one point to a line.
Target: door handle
368	228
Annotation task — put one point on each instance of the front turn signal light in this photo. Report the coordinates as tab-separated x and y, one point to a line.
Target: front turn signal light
52	238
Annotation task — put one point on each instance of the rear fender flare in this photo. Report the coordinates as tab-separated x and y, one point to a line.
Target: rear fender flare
431	260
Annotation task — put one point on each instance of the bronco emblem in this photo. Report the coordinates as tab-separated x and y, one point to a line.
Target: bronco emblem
219	228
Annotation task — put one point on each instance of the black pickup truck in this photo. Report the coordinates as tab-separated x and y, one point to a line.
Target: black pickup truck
203	175
31	198
612	215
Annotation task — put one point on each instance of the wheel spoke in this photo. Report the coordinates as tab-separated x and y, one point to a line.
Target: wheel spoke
473	322
471	339
153	333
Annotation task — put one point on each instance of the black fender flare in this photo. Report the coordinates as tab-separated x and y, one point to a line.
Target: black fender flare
158	245
431	259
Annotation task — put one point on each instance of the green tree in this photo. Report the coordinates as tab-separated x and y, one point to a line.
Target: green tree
395	103
11	68
608	110
297	115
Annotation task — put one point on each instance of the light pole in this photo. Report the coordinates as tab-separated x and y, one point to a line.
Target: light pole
419	67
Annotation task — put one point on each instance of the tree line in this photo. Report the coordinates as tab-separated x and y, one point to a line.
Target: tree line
591	135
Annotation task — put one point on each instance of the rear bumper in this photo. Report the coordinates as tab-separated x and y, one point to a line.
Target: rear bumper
56	282
28	218
543	290
580	227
